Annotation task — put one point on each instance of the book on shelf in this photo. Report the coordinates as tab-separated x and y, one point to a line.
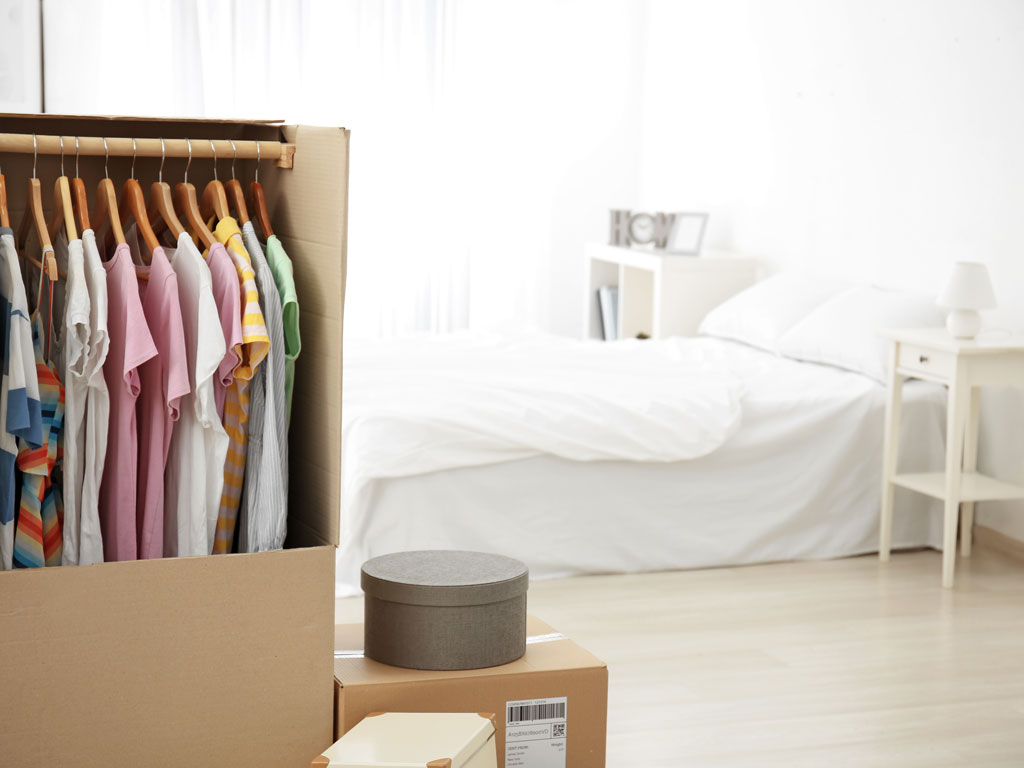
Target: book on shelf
608	304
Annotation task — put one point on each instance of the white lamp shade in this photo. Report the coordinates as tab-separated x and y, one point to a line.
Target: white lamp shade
968	287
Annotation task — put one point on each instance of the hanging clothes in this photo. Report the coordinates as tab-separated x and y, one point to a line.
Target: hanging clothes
164	381
20	410
227	294
194	478
69	349
131	345
284	278
97	407
37	539
264	508
255	345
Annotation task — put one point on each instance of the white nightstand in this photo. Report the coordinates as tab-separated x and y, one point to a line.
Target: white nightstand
963	366
660	294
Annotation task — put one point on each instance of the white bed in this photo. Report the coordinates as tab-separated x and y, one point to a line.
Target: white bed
796	476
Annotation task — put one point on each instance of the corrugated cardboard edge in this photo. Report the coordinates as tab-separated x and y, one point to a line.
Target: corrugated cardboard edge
142	119
310	204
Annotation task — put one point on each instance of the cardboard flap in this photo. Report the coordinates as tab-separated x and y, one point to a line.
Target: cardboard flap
310	209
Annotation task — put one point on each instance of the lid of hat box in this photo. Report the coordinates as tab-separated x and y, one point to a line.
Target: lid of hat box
414	740
444	578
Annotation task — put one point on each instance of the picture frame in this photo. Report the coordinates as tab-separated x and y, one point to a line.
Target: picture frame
687	237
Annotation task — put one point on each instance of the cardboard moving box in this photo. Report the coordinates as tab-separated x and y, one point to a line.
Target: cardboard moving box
551	705
201	661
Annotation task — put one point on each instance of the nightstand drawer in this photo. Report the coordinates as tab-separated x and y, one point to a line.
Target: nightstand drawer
927	363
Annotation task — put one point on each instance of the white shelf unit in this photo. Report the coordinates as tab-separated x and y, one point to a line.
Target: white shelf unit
661	294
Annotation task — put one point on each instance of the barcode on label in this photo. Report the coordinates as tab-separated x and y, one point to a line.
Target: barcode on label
524	713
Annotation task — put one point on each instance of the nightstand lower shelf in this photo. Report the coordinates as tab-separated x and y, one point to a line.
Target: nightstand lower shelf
973	486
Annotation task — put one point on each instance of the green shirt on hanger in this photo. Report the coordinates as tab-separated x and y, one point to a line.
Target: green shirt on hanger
284	278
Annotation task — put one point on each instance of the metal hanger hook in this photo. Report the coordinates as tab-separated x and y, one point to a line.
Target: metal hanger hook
163	156
133	158
189	142
106	159
61	139
214	149
77	174
35	154
257	179
234	157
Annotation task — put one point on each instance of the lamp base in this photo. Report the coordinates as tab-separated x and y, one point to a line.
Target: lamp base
963	323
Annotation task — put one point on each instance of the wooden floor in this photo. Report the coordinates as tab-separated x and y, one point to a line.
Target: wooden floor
837	663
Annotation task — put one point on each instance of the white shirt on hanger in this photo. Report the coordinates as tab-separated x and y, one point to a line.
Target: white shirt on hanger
97	406
194	476
70	334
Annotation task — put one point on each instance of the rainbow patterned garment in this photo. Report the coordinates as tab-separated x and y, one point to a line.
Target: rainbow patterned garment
37	538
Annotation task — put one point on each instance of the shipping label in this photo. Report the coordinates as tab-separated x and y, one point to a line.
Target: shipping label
535	733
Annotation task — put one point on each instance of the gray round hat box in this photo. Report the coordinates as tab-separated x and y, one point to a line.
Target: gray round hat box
444	609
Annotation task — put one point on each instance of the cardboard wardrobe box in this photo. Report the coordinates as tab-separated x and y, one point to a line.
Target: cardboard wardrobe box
206	661
551	705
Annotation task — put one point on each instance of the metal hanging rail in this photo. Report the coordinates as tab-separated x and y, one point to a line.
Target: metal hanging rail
281	153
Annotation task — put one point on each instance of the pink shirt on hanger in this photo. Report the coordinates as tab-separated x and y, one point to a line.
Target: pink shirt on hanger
227	294
164	382
129	346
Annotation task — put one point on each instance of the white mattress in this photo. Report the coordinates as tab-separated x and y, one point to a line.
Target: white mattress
799	479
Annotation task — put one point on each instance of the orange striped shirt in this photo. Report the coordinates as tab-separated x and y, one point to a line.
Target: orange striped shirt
255	346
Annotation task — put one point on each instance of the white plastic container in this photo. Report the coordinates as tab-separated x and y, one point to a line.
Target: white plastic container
415	740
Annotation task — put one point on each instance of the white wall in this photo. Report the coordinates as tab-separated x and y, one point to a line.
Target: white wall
551	113
878	139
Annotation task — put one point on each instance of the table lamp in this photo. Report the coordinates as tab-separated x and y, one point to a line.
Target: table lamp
967	290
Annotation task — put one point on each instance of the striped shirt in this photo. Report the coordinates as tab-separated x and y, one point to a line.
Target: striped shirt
264	512
20	412
255	346
37	540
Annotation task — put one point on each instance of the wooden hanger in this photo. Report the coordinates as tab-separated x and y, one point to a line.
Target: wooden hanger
79	197
188	206
215	199
133	205
63	207
259	201
236	198
106	203
5	218
35	220
161	207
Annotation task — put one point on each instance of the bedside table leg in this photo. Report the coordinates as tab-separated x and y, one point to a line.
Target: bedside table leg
890	452
970	465
956	419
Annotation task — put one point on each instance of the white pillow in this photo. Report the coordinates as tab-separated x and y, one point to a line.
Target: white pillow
844	330
760	315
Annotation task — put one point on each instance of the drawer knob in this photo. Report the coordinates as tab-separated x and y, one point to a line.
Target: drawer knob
922	358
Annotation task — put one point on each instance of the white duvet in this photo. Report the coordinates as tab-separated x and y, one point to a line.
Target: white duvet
413	406
799	479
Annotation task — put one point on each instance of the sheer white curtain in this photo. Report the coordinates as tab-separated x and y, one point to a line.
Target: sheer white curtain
488	141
